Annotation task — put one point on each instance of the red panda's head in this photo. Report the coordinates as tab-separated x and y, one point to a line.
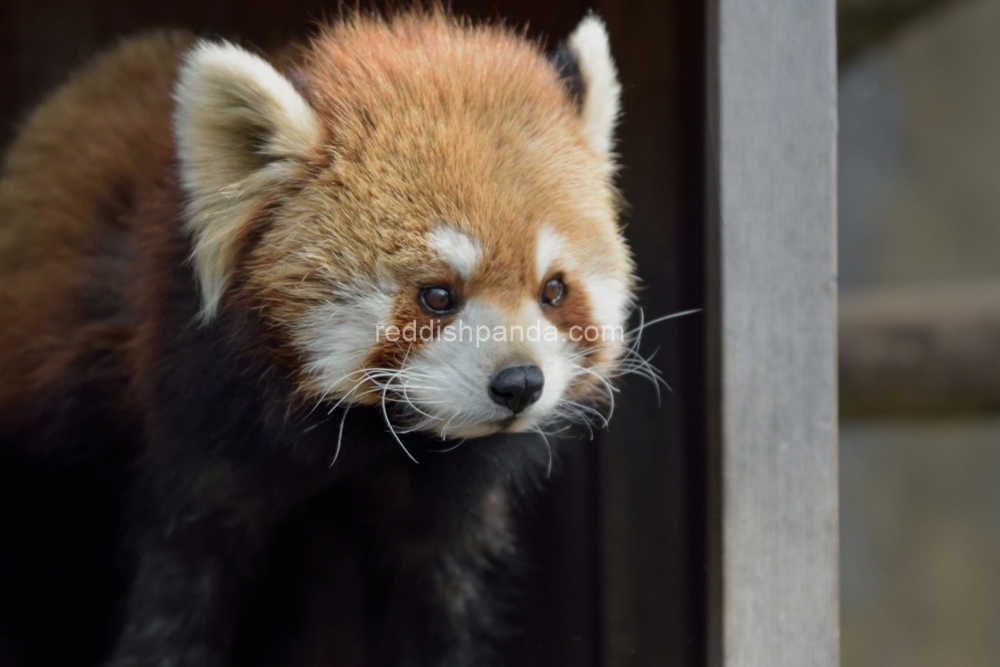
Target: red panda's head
422	211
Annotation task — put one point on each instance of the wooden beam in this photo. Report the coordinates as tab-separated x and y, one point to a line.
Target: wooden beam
920	351
771	308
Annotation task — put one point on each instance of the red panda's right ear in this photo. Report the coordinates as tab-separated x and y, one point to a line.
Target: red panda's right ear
242	131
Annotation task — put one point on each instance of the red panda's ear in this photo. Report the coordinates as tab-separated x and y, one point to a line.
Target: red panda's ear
599	90
242	131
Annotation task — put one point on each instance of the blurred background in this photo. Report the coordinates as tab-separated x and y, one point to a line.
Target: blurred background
919	248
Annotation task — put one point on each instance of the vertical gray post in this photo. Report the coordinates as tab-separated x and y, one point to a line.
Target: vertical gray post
772	310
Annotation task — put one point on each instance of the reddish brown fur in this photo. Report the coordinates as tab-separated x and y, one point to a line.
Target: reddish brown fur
67	249
508	158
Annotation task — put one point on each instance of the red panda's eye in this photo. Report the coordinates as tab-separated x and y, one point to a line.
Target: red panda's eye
553	292
438	300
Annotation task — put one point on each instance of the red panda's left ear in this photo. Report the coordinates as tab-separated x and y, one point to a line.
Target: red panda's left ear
600	91
242	131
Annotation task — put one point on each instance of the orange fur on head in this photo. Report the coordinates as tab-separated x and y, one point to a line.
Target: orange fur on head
410	152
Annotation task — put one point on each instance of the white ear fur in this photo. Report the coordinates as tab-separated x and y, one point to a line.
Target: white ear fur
242	130
601	90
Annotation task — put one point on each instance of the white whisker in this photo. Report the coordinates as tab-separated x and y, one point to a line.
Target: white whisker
340	435
548	446
664	318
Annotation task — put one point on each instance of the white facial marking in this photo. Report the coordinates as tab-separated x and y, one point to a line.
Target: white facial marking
338	335
443	384
459	250
608	297
449	380
550	245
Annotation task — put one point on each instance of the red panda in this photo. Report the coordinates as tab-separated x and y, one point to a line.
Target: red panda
387	264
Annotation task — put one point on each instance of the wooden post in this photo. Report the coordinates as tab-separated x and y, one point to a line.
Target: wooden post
772	346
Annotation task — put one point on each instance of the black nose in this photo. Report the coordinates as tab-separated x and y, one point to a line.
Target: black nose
517	387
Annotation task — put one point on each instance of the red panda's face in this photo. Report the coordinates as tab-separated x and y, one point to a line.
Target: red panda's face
439	231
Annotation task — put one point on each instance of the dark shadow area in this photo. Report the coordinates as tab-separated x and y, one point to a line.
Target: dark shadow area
615	545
